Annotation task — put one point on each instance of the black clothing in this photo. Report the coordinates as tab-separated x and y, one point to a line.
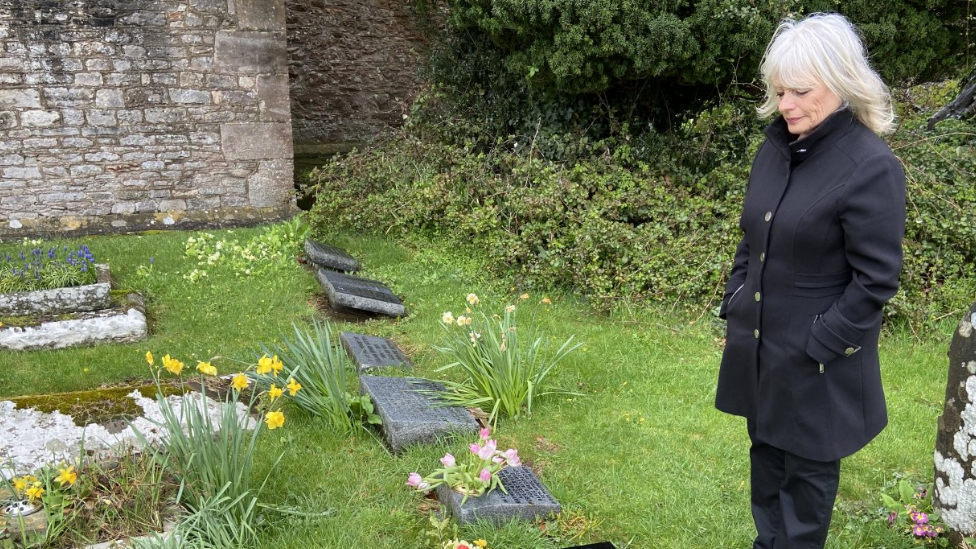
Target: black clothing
821	253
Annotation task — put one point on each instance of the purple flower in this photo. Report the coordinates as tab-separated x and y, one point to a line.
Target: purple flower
892	517
485	475
485	433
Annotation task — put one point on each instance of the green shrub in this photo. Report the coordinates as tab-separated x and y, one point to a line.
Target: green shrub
649	217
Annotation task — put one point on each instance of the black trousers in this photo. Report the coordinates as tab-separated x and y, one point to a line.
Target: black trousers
792	497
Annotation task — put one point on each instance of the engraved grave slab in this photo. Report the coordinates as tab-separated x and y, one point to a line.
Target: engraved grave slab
330	257
351	292
410	417
373	352
527	499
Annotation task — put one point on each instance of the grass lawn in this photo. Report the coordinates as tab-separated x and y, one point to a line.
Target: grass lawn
641	458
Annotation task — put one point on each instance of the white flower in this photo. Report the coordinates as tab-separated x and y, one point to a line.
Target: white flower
447	318
473	299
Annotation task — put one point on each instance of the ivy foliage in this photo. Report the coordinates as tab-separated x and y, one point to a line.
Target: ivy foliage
643	217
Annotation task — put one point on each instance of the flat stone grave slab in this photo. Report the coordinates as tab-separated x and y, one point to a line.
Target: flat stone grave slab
601	545
125	323
527	499
411	417
330	257
373	352
90	297
352	292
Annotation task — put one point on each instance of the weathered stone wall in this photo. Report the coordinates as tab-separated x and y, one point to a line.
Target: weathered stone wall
127	114
353	68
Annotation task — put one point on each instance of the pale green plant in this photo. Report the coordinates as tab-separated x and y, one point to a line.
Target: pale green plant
314	359
266	252
505	367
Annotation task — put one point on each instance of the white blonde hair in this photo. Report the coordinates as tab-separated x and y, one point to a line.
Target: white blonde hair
824	48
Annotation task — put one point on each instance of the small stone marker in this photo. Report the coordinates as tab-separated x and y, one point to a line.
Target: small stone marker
955	459
527	499
601	545
412	417
373	352
352	292
330	257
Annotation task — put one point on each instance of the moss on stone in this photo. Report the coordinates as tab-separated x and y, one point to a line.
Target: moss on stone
94	406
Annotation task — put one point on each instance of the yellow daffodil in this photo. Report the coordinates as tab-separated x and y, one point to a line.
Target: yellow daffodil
481	543
20	484
264	365
523	297
239	382
276	365
274	392
293	386
67	476
172	365
35	491
546	301
473	299
510	309
149	358
274	420
447	318
461	320
207	368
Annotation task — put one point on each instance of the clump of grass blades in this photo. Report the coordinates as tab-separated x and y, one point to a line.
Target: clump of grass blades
43	267
316	361
503	372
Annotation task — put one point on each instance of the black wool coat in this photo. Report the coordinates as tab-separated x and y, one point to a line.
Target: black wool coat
821	253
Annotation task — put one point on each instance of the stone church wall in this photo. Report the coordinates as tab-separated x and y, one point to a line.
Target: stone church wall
120	115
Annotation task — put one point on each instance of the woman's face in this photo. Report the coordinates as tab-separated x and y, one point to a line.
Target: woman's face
805	109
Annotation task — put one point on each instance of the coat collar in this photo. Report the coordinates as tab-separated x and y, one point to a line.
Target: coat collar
797	150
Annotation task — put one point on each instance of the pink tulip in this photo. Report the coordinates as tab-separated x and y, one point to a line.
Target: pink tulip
448	460
485	476
485	433
414	480
488	450
475	449
512	457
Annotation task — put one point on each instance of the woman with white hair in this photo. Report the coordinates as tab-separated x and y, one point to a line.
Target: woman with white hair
821	253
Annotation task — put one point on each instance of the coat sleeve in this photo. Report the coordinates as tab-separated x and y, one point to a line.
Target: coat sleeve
872	216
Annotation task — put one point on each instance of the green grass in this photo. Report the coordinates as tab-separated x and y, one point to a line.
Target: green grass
642	458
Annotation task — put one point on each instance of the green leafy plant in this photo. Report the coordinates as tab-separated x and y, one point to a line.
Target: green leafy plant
212	454
314	360
262	254
474	474
39	265
505	367
908	507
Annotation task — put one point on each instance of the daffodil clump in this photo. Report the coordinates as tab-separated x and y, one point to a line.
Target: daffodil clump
240	381
212	458
506	367
33	489
473	474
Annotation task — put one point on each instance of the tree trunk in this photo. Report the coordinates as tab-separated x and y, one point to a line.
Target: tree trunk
962	107
955	443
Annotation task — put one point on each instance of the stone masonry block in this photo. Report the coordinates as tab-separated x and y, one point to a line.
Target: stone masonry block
19	99
39	119
256	141
250	52
274	96
272	184
109	99
263	15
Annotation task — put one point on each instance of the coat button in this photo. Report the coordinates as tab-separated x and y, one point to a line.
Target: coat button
769	215
849	351
757	296
756	333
